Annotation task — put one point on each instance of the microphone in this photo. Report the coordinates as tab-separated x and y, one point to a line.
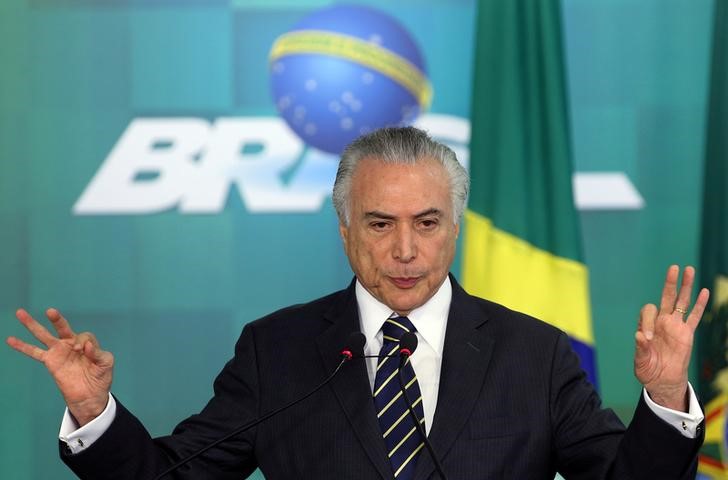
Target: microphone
407	346
353	348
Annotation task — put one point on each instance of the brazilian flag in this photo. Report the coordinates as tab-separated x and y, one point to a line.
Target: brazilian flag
712	338
521	237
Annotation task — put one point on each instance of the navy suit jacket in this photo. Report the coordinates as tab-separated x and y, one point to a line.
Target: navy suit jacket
513	404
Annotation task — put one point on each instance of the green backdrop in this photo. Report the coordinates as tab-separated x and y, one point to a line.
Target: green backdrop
169	292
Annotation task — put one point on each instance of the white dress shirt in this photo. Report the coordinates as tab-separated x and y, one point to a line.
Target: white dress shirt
430	320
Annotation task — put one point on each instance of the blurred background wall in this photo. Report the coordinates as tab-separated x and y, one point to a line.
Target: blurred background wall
168	291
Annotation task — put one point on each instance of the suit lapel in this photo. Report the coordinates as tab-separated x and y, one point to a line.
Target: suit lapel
465	359
351	385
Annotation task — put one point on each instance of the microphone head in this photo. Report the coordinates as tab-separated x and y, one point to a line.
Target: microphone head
354	346
407	344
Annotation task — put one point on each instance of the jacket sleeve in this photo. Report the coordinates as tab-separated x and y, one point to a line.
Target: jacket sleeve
591	443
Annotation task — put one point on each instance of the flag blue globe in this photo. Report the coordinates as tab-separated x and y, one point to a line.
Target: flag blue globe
344	71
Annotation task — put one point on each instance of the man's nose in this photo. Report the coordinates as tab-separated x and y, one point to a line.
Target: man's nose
405	245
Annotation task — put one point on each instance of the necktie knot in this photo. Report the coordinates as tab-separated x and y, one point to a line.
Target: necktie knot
394	328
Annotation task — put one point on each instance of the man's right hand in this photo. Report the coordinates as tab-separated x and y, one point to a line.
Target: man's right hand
82	371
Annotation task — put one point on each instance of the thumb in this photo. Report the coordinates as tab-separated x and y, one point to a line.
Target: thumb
644	334
642	349
648	316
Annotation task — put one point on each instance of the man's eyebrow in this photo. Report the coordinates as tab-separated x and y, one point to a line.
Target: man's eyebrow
430	211
378	214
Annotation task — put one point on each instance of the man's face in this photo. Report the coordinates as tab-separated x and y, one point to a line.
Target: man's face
401	235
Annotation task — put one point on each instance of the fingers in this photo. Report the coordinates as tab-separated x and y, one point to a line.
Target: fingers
82	339
669	291
59	323
683	297
84	344
38	330
646	327
30	350
92	351
673	301
697	313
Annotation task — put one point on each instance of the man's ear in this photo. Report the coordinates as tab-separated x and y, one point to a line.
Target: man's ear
344	232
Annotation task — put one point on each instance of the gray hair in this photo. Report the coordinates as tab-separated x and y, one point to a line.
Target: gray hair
404	146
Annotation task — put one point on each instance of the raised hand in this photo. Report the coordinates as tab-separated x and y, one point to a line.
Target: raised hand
664	340
82	371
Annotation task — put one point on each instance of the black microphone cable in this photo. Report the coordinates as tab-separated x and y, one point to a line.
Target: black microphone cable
354	348
407	346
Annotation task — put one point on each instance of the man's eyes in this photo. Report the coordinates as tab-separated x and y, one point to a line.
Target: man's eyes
379	226
428	223
423	224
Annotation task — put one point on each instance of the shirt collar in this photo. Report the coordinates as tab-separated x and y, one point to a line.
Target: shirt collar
430	319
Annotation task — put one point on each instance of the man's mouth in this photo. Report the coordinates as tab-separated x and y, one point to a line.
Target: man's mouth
404	282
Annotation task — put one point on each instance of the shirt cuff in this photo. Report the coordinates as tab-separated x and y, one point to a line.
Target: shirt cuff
78	439
685	423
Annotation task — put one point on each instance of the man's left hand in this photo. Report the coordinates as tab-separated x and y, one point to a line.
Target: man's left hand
664	340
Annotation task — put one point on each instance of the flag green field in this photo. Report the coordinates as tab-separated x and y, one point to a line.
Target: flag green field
522	241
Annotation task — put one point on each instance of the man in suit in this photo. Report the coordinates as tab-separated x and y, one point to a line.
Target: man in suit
500	394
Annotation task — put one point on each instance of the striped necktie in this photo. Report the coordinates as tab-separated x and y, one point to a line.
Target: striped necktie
404	442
